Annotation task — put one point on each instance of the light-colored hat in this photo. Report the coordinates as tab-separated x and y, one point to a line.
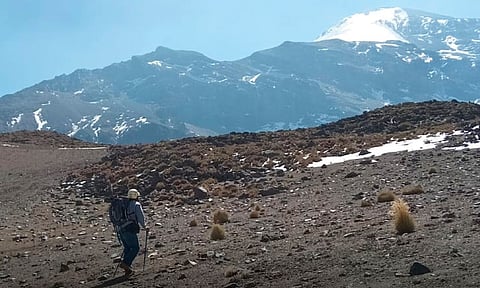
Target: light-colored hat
133	194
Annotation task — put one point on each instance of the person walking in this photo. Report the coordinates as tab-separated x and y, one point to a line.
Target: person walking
129	233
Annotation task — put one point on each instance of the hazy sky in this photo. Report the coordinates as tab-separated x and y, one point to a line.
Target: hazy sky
40	39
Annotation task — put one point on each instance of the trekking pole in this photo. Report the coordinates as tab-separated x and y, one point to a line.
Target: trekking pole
145	255
121	259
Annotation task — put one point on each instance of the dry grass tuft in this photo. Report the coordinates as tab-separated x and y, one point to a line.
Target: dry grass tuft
365	203
402	219
220	217
386	196
254	214
231	271
412	189
217	233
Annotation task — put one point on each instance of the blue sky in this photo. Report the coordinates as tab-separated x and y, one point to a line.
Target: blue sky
40	39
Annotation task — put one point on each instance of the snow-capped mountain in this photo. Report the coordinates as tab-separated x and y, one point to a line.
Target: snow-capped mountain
376	26
368	60
452	37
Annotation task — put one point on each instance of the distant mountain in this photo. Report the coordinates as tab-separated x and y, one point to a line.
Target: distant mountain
368	60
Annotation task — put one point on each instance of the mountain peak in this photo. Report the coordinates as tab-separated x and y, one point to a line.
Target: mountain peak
380	25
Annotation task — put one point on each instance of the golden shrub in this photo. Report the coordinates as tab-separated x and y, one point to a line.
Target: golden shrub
220	217
402	219
217	233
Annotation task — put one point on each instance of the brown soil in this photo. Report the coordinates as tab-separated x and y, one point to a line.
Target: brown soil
317	227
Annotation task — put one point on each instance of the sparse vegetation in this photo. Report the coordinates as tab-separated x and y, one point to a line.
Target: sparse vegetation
231	271
193	223
365	203
254	214
402	219
220	217
217	233
412	189
386	196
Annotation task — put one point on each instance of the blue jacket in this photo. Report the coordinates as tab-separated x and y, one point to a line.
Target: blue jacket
135	213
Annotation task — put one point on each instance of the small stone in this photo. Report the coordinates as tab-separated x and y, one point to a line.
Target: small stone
448	215
200	193
363	152
419	269
352	174
64	267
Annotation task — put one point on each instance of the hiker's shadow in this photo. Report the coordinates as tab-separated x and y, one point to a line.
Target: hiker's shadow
112	282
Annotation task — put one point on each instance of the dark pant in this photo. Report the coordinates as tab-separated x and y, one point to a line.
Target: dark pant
130	246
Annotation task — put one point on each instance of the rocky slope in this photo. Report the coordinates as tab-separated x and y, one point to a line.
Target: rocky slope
172	169
315	227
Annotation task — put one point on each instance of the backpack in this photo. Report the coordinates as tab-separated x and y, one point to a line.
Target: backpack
118	211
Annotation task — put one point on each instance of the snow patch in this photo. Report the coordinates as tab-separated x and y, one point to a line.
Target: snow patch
454	53
83	148
451	42
381	45
39	119
15	120
95	120
251	79
155	63
375	26
442	21
423	142
425	57
120	128
142	120
447	54
75	129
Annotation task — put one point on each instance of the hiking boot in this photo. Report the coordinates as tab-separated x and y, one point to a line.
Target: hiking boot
129	272
124	266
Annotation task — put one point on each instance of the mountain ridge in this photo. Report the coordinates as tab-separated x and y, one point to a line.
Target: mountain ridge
169	94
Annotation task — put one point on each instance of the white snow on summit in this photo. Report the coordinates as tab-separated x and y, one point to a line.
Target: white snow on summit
375	26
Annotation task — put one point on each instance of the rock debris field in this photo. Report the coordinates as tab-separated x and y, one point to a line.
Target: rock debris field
287	224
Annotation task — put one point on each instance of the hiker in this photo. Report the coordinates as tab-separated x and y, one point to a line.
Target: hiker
128	234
